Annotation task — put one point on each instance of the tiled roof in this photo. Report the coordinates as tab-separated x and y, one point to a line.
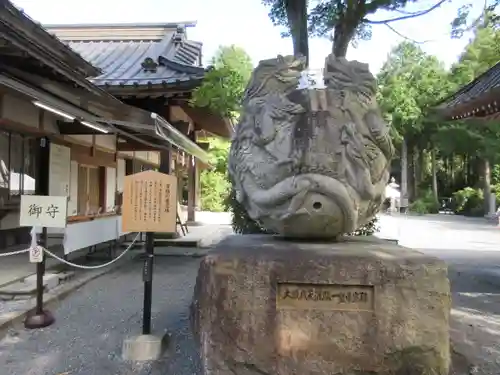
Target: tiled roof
18	29
134	58
484	84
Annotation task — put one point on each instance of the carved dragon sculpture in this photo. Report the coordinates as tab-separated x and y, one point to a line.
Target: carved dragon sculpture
308	162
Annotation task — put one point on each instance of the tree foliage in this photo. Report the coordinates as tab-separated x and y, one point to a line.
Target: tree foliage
215	186
225	81
454	155
410	82
474	138
465	22
221	91
349	20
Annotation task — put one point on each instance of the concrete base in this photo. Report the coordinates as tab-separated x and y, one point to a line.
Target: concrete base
144	347
42	320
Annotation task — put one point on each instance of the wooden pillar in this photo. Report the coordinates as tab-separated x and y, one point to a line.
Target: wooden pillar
165	161
192	177
197	202
178	171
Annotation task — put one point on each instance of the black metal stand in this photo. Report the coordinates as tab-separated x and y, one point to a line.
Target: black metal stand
41	318
147	277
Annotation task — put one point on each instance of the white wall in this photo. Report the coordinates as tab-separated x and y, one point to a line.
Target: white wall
73	190
151	157
59	170
110	189
102	142
106	142
120	175
80	139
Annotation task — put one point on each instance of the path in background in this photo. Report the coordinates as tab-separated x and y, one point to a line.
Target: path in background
92	323
471	247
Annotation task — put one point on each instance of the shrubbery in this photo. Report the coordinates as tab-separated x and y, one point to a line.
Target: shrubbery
214	188
425	204
243	224
468	202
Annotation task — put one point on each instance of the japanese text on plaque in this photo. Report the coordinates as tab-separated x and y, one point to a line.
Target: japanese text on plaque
325	297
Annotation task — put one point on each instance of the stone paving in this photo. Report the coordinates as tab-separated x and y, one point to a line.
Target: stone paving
92	323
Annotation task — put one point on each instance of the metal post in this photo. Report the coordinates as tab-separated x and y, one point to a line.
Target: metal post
41	318
147	277
40	271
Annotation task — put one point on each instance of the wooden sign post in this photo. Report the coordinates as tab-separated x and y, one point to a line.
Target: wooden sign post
41	211
149	205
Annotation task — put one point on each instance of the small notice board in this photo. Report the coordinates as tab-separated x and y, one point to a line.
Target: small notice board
43	211
149	202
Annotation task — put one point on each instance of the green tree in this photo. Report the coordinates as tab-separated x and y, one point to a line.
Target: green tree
235	58
214	183
221	90
455	155
348	19
476	140
225	81
410	81
465	22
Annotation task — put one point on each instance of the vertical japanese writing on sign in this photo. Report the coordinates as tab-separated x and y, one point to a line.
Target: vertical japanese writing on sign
131	199
155	202
134	199
145	201
160	200
150	201
167	198
140	201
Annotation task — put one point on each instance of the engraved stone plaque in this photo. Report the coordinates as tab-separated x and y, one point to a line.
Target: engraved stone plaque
325	297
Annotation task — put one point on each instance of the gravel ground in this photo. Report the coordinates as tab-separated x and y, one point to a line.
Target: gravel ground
475	323
92	323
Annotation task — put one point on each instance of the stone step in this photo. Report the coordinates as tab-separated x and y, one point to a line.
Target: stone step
50	280
26	288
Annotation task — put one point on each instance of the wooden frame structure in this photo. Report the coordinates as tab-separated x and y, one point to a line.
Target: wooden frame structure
45	91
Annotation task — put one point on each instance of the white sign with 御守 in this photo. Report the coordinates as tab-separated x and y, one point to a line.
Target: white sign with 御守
43	211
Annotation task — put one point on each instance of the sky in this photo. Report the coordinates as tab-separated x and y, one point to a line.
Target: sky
245	23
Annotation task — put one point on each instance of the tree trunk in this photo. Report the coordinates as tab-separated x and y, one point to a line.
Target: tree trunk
486	184
404	174
296	12
342	36
465	170
416	169
434	176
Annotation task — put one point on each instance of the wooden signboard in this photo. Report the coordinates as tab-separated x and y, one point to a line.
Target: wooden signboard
149	202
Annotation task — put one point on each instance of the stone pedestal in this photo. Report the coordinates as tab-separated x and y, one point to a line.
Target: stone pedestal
144	347
361	306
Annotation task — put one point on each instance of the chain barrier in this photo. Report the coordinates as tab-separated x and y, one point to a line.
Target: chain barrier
17	252
80	266
14	253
